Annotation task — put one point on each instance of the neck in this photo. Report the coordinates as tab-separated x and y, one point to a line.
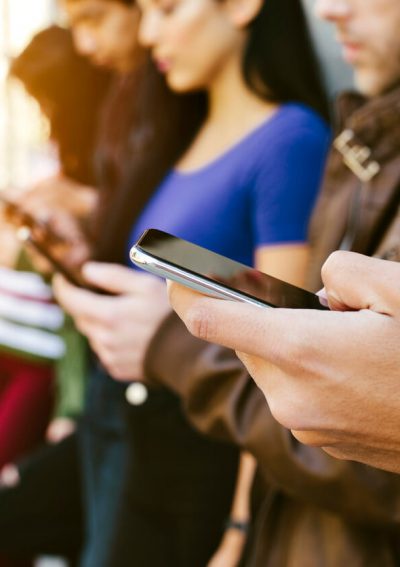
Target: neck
230	97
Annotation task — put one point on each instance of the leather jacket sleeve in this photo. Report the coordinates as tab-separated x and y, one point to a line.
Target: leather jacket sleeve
221	400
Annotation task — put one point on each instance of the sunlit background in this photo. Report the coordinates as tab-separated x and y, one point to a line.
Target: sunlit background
24	156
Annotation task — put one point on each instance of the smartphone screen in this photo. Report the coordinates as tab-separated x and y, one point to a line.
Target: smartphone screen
233	275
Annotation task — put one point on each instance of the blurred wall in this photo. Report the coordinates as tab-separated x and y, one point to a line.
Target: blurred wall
23	156
337	74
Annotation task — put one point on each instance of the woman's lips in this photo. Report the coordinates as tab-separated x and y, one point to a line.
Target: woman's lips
163	65
351	51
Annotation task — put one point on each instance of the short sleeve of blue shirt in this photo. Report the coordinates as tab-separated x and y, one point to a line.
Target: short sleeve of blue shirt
259	192
286	185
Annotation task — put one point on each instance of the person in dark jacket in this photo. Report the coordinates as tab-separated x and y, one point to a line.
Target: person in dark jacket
358	211
335	512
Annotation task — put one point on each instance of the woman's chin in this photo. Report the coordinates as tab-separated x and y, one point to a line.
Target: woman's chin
181	84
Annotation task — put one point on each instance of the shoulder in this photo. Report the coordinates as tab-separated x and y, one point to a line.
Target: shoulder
293	132
293	121
293	159
296	135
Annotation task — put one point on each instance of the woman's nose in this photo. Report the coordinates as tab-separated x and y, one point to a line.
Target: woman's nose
149	29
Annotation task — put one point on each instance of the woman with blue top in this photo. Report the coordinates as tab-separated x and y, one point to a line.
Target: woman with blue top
243	185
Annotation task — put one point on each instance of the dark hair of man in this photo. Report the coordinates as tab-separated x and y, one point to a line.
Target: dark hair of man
72	89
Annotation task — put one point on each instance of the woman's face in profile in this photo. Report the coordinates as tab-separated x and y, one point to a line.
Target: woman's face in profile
191	41
105	32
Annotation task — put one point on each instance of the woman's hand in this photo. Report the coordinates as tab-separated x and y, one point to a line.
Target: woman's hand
60	428
230	549
57	192
119	328
60	207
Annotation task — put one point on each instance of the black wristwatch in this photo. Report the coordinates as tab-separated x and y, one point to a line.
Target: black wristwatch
238	525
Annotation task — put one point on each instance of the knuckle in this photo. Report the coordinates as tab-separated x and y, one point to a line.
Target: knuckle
336	452
107	360
334	265
117	373
200	323
292	410
282	410
284	416
309	437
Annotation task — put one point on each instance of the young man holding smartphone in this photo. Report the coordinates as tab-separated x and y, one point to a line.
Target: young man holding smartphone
356	417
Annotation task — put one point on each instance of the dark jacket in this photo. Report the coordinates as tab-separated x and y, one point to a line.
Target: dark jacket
315	510
359	205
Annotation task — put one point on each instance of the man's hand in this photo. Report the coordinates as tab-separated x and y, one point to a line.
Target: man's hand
120	327
331	377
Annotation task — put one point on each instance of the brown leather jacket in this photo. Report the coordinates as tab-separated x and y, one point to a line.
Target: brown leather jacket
315	510
359	205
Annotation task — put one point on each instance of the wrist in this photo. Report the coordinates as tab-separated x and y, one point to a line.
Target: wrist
236	525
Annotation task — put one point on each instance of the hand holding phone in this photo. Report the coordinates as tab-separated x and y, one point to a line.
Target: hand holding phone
19	217
46	241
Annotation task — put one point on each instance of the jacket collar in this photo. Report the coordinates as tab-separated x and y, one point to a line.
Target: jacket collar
374	123
369	143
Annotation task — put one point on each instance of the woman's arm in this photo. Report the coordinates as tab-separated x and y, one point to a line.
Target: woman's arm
232	545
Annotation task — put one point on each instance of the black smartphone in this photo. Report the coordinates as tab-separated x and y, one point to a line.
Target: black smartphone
72	275
42	237
17	216
212	274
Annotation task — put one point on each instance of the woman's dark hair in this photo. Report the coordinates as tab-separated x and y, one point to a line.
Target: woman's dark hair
279	64
70	90
146	129
279	61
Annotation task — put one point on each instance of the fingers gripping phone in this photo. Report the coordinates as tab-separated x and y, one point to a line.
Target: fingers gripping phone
17	216
212	274
40	235
72	275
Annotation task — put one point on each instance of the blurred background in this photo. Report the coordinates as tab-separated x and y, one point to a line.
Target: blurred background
25	154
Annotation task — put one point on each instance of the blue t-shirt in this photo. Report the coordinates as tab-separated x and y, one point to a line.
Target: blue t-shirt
259	192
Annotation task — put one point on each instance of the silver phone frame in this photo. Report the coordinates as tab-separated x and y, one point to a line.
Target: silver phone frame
196	282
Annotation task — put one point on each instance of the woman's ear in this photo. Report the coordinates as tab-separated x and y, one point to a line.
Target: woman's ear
243	12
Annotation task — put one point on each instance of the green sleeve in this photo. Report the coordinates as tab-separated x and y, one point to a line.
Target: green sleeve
71	372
